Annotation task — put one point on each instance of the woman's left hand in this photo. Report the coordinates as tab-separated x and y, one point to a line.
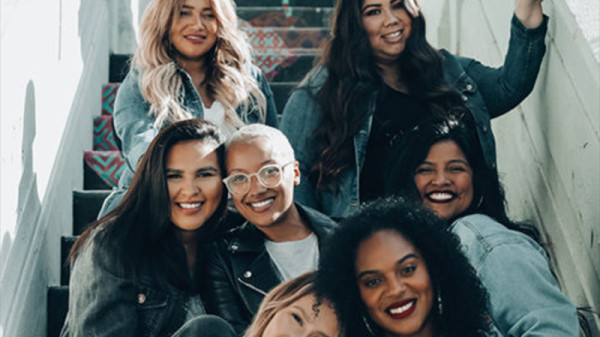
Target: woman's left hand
529	12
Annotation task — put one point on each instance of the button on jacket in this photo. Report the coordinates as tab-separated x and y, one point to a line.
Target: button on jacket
136	128
488	93
240	272
525	299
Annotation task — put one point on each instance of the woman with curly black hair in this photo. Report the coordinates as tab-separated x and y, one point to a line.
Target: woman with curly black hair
378	77
443	167
392	269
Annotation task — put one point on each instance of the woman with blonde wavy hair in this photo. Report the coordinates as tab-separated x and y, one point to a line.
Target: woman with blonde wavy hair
294	309
192	61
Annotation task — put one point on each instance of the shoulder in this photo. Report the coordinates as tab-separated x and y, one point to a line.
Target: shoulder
321	223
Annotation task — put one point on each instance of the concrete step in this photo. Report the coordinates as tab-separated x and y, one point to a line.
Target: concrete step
66	243
57	307
286	16
86	205
289	3
276	39
285	68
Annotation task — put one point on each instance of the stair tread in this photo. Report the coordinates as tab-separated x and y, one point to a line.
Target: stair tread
86	205
57	307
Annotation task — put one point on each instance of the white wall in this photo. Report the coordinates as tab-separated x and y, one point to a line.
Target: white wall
549	146
54	58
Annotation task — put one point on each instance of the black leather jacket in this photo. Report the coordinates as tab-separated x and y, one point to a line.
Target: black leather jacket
240	272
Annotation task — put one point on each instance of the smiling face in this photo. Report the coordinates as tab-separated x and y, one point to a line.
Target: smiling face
263	206
194	182
394	285
304	318
194	30
445	180
388	26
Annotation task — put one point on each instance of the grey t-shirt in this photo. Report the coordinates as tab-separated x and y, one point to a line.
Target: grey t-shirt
293	258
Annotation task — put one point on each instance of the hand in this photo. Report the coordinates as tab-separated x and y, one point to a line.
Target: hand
412	7
529	12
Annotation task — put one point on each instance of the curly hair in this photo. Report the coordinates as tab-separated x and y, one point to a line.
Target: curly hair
352	76
458	126
465	302
229	78
138	231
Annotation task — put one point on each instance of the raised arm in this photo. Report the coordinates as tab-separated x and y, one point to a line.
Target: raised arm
529	12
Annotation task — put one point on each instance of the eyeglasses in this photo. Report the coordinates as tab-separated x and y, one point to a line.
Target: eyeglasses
269	176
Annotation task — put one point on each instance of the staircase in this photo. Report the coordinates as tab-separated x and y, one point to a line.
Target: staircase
285	35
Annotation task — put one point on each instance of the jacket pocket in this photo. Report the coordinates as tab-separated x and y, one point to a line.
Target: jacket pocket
152	305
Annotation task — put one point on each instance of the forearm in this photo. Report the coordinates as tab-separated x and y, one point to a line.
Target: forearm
529	12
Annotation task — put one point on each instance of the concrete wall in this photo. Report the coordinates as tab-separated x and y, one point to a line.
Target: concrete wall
548	147
54	59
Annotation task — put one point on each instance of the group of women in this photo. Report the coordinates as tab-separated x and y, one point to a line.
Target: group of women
382	114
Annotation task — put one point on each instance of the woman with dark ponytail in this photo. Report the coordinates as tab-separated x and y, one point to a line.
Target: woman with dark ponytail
379	77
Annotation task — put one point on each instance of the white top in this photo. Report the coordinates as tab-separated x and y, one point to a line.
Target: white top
216	114
293	258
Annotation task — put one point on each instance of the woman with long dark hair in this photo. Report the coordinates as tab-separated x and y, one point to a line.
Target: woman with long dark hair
379	77
443	167
392	269
135	271
192	61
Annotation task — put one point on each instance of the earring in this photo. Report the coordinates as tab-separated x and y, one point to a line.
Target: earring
480	202
439	303
368	325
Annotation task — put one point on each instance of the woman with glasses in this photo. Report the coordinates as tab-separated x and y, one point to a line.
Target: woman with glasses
279	240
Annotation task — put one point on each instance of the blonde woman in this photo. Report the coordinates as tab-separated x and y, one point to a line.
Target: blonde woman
192	61
293	309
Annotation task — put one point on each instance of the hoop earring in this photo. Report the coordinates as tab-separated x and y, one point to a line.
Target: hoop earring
368	326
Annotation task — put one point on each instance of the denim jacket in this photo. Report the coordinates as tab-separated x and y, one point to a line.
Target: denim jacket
487	92
525	299
136	130
240	271
105	302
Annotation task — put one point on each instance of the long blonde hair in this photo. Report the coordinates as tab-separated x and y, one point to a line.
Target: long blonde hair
280	298
229	78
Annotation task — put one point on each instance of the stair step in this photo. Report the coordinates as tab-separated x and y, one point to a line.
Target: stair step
57	307
109	94
66	243
277	38
106	165
105	138
281	93
86	205
286	16
291	68
290	3
118	67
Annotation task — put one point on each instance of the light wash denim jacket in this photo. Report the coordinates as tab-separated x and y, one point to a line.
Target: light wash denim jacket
525	299
135	128
105	302
487	92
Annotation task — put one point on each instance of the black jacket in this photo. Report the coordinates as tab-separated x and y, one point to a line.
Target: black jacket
240	271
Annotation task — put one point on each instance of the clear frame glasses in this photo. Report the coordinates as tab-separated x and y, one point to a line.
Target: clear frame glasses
269	176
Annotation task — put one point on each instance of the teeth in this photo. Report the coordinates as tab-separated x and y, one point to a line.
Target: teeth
393	35
396	311
441	196
190	205
262	203
194	37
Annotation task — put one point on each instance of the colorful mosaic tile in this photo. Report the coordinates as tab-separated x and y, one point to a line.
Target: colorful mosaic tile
104	135
109	93
108	165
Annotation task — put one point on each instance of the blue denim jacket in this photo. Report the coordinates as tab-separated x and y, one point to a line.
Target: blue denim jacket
135	128
106	302
487	92
525	298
